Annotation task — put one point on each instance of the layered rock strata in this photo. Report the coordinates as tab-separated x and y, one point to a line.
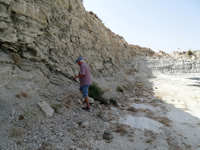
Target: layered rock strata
39	43
177	62
55	33
40	40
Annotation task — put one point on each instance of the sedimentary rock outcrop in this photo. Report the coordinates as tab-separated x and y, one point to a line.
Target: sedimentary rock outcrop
55	33
177	62
39	43
40	40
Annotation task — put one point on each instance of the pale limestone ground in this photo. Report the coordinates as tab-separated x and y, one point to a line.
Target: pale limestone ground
169	119
182	91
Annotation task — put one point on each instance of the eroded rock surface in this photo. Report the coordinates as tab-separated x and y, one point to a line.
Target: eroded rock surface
39	42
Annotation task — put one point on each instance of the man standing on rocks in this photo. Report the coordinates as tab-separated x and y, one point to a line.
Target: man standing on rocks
85	80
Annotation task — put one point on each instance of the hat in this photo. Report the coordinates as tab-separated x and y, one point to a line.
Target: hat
78	59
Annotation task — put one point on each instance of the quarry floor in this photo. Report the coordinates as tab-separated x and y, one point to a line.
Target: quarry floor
166	119
160	113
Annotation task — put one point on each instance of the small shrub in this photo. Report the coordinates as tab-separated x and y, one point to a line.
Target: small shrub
149	141
46	146
24	94
113	102
163	120
103	101
95	91
18	96
19	142
17	132
100	114
132	109
189	53
122	130
56	107
130	71
137	101
119	89
16	57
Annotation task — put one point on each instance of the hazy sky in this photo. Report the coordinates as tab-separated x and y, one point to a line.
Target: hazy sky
167	25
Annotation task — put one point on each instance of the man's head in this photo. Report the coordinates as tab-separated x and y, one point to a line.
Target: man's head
79	60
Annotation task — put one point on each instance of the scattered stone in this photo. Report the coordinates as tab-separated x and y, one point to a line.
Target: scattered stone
79	101
76	126
131	99
85	125
91	100
100	136
97	105
60	134
113	108
107	135
3	25
74	148
149	141
46	108
123	105
131	139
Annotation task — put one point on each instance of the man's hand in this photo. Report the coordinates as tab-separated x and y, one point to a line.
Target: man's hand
76	77
81	75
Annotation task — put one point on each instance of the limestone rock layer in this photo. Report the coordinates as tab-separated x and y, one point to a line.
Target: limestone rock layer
55	33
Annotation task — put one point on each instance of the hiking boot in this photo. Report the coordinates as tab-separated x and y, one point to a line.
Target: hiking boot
86	108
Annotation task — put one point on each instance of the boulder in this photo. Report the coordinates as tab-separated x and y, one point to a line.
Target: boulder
46	108
107	135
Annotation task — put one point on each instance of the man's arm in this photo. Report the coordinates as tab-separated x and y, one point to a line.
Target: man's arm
79	76
81	72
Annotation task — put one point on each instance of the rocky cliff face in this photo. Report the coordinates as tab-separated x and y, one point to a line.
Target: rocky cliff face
55	33
177	62
40	40
39	43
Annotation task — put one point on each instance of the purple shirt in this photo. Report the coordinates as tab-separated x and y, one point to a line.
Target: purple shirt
85	80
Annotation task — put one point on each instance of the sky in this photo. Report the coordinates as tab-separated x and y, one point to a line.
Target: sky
166	25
